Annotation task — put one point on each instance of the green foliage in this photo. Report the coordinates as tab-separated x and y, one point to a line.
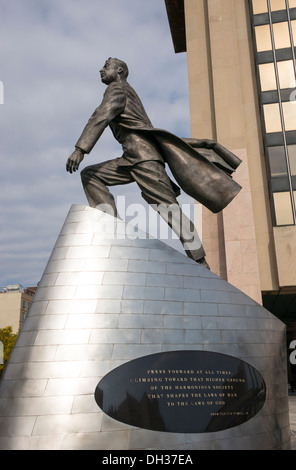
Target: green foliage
7	342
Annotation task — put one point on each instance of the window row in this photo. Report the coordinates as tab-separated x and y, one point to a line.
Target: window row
278	162
283	207
260	6
274	41
281	32
286	75
273	120
26	305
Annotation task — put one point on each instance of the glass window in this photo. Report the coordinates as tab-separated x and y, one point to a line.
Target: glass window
292	158
277	161
272	117
263	38
289	110
281	35
283	208
267	77
277	5
286	74
278	117
259	6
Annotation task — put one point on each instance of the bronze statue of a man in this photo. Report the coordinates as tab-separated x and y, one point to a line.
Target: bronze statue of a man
202	168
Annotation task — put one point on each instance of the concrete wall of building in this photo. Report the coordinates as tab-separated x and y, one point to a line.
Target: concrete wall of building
14	307
10	305
224	106
285	244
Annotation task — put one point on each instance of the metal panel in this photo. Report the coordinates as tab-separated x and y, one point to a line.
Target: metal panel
98	307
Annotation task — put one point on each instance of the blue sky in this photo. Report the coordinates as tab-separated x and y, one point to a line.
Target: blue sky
51	52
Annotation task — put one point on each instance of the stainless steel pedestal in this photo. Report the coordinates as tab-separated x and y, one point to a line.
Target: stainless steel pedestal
105	299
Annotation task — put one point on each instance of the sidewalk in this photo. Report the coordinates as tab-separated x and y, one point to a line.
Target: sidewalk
292	407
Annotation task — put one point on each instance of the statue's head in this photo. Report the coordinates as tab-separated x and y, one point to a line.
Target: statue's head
113	69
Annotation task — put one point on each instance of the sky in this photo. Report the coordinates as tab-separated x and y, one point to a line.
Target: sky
51	53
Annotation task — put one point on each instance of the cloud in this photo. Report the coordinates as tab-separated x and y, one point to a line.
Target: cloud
51	54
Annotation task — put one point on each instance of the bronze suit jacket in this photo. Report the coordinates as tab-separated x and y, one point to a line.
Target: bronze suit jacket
202	168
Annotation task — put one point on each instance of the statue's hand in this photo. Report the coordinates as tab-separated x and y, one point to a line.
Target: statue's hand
74	160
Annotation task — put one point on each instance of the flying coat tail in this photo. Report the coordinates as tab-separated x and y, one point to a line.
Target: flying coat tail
201	168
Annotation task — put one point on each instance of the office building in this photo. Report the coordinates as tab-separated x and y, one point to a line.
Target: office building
15	302
241	71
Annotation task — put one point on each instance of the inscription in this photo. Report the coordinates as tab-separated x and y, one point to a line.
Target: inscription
166	387
182	391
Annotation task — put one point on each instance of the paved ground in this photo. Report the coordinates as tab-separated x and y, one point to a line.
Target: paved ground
292	407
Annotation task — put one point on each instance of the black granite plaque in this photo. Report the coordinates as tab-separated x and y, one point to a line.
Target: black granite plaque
182	392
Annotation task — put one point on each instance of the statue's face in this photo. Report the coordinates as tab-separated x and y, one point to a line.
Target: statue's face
109	72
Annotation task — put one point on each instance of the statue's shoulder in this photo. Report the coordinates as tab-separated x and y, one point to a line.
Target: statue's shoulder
115	88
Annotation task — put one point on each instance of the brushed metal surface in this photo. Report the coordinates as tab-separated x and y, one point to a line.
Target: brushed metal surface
103	301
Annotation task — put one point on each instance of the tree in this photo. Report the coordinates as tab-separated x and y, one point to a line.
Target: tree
7	342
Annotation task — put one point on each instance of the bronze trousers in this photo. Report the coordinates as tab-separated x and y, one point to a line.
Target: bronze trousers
156	189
